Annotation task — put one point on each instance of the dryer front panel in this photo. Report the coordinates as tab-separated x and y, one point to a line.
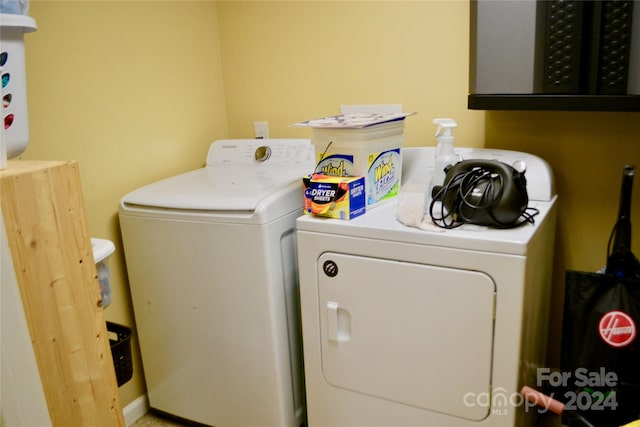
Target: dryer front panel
410	333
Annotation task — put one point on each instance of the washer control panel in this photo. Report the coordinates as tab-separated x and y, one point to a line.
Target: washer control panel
280	152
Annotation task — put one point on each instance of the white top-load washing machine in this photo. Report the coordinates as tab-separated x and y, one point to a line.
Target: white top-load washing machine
212	269
407	327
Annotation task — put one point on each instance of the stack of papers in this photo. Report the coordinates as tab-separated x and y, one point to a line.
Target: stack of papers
353	120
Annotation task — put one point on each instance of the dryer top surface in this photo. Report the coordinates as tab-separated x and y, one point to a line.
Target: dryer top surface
380	223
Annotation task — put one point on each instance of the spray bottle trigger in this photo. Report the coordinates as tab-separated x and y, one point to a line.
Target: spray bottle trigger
445	126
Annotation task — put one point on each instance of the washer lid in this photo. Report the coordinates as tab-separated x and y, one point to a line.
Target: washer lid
210	189
238	176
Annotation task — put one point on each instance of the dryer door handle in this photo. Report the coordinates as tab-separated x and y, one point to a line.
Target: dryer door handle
338	323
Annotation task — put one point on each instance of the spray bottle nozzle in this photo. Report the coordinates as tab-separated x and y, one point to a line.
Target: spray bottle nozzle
445	126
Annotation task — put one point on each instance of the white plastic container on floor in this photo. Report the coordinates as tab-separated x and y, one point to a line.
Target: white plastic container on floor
14	133
102	249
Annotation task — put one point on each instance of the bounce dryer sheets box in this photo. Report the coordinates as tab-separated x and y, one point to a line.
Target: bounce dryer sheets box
335	197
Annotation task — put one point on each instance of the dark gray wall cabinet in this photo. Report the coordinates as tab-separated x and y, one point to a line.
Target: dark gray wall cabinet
555	55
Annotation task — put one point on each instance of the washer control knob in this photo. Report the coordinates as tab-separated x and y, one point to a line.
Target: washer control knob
262	153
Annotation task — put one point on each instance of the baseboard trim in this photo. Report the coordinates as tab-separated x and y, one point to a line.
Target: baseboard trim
136	409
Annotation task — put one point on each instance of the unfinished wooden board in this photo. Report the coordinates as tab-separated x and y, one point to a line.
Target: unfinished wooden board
43	211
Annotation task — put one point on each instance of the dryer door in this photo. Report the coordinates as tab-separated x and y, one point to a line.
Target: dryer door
414	334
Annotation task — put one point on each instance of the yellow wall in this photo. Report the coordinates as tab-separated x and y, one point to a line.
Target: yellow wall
587	152
133	90
295	60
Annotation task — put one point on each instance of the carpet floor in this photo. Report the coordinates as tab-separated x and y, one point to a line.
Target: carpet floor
153	420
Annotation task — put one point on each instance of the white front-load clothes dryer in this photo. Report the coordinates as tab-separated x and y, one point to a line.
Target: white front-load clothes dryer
211	261
407	327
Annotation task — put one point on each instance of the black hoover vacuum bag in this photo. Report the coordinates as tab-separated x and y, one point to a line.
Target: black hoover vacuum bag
600	339
601	348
